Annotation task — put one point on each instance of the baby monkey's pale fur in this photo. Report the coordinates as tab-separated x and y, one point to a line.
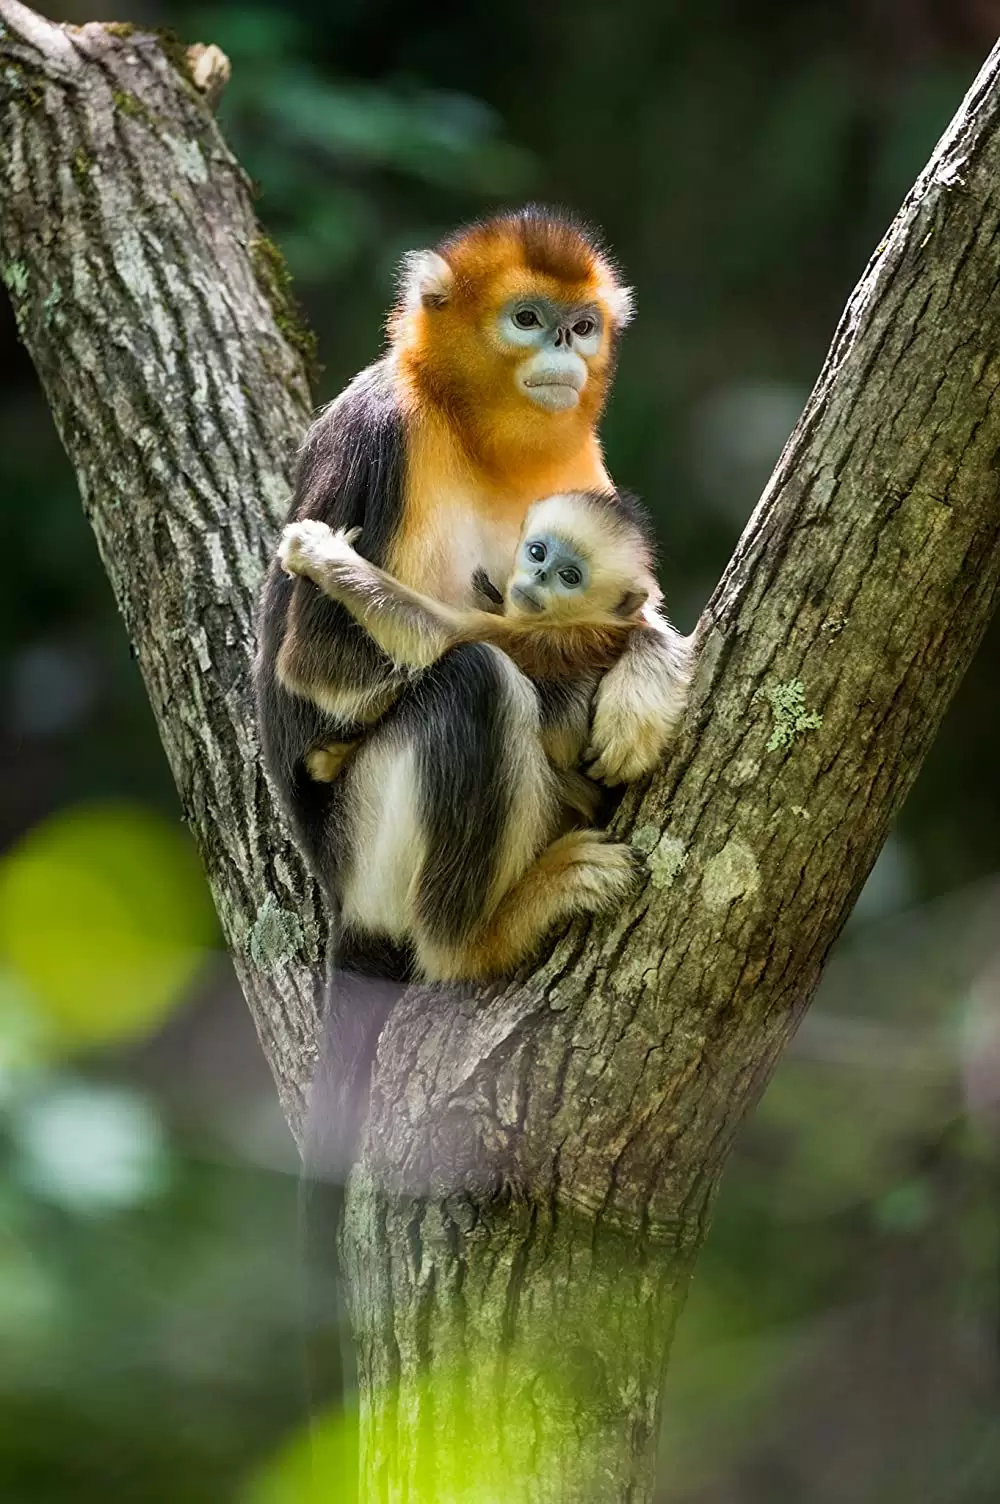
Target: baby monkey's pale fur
561	643
566	637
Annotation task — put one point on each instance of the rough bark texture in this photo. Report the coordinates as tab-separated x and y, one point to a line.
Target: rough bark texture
540	1162
154	310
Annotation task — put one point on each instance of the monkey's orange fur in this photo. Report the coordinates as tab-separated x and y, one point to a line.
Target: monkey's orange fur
553	650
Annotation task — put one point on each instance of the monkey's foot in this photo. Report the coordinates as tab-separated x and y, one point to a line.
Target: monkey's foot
593	874
326	763
580	873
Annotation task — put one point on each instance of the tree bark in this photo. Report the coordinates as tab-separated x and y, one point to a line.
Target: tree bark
540	1161
154	310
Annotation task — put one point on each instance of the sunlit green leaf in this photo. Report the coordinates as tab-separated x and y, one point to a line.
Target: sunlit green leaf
104	920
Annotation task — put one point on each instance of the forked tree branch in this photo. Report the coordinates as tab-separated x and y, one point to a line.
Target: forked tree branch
614	1077
156	315
601	1092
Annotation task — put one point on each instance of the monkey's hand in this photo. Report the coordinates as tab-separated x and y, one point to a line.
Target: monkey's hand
411	629
639	704
313	549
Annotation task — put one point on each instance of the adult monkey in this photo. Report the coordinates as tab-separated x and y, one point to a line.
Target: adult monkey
501	351
583	573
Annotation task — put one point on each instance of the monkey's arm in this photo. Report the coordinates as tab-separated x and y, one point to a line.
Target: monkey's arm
411	628
639	702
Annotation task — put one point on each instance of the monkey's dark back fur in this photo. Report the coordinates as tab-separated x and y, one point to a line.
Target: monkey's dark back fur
351	473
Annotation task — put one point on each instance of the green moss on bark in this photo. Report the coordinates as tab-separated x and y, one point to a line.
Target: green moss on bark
271	271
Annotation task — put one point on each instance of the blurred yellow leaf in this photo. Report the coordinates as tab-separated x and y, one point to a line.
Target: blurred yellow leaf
105	918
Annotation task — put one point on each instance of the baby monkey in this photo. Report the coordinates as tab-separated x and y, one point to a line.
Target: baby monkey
583	571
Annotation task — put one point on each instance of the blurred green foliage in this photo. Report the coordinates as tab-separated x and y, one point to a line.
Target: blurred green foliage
315	143
104	921
137	1364
307	1466
840	1342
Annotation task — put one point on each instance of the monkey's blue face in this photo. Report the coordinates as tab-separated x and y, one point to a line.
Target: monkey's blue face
548	573
557	340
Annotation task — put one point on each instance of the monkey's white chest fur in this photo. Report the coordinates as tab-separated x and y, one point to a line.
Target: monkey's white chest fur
455	541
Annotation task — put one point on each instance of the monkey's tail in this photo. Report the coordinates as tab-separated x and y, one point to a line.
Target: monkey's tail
356	1009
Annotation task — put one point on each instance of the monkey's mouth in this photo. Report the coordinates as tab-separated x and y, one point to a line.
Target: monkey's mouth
554	389
526	600
555	378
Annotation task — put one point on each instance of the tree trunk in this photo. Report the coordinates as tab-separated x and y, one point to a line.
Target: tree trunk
510	1348
155	312
540	1160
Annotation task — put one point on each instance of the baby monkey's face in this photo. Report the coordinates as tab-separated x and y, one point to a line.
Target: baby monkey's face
579	561
550	576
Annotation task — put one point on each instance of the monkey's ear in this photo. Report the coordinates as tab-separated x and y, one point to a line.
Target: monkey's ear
426	280
631	602
621	306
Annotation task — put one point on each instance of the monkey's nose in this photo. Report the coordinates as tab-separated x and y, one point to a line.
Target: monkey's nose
541	575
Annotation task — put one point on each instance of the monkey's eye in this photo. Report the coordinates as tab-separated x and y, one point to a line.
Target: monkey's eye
570	575
527	318
584	327
537	552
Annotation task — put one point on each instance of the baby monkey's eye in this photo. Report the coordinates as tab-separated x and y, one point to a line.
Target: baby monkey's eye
527	318
570	576
536	551
583	327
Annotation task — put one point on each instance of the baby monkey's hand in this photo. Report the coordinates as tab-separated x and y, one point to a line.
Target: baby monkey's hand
312	549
